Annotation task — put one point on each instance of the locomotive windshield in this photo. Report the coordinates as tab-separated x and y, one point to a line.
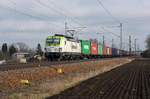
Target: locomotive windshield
53	41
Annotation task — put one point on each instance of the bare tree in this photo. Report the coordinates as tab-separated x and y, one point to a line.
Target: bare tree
39	50
12	50
146	53
1	55
22	47
148	42
5	50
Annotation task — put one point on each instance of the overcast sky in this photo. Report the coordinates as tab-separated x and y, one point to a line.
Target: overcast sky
31	21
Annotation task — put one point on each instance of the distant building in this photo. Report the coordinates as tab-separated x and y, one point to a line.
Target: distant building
20	55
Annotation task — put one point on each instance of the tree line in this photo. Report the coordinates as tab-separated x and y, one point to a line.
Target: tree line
146	53
6	51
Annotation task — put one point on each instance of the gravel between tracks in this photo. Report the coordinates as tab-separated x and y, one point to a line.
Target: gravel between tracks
45	81
131	81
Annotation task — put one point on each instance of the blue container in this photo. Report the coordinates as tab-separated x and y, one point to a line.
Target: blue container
114	52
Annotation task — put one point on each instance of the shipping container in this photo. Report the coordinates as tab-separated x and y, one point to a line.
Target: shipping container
104	50
94	48
108	51
118	52
100	49
85	47
114	52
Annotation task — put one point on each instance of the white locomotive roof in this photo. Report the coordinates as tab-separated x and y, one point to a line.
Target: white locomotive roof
68	37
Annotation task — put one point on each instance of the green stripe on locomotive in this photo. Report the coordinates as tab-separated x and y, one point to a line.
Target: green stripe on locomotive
85	47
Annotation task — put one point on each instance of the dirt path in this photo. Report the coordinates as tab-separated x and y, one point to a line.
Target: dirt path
131	81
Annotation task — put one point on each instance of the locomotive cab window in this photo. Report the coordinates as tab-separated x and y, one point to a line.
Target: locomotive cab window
53	41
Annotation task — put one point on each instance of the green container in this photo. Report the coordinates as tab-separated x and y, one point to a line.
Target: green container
100	49
85	47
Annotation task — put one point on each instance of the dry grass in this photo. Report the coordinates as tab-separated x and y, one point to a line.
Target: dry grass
73	74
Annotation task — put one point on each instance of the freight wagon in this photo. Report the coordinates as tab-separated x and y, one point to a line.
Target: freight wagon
114	52
104	51
108	51
100	50
94	49
85	48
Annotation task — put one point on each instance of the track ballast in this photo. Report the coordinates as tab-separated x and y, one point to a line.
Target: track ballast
15	66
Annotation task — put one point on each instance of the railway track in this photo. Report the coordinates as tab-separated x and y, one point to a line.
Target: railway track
131	81
6	67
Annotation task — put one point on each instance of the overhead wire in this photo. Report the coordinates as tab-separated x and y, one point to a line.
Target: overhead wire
107	11
49	7
110	14
68	13
33	17
29	15
111	32
58	11
24	13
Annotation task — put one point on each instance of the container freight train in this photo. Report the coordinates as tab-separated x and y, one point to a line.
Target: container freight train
67	48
